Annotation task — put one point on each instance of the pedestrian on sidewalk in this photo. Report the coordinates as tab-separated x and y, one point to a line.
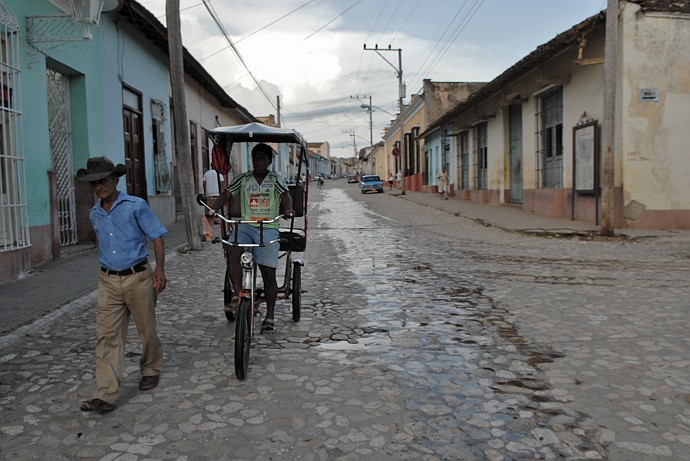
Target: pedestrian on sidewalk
398	177
443	182
214	182
391	180
127	286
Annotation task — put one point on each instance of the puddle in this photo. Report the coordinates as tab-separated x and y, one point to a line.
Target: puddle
360	345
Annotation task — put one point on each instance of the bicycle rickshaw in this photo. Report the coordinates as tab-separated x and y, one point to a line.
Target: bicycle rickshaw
293	238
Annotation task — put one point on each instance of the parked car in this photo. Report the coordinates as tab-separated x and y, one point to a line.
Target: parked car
352	179
371	183
333	176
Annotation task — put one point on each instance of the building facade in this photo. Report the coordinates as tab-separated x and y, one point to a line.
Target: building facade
532	136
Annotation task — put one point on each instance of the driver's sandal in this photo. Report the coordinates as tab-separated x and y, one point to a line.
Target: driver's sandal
267	326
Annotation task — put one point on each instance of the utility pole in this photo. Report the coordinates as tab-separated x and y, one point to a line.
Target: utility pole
401	96
278	111
183	154
370	108
608	135
354	148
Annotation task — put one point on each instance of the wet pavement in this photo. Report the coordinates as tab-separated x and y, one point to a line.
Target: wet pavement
423	336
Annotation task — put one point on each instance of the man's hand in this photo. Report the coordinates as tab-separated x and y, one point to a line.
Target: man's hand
159	280
290	213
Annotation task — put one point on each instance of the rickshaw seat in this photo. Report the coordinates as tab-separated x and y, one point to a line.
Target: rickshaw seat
295	240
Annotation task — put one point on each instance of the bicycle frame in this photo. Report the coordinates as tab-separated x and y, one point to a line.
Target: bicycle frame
247	301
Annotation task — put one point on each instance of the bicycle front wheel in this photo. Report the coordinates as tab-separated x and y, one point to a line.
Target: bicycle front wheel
296	291
228	307
243	338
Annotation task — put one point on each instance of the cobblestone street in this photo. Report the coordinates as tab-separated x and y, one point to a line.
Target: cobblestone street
423	335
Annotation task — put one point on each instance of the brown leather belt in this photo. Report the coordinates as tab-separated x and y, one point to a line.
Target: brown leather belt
138	267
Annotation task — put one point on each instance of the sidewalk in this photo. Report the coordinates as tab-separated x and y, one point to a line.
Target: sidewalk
72	280
512	218
63	284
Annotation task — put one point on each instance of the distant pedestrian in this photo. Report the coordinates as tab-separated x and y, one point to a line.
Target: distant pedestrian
391	180
127	286
443	182
398	177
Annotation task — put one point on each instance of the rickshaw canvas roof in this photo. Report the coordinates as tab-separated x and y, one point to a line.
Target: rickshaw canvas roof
258	132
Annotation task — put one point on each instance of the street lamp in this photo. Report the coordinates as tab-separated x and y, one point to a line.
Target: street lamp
368	107
87	13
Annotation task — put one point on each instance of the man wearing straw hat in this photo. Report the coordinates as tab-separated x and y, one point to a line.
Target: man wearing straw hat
127	286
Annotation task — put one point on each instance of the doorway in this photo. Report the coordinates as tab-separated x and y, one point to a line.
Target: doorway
515	137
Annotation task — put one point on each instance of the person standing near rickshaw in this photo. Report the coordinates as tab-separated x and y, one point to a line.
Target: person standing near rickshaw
256	196
213	184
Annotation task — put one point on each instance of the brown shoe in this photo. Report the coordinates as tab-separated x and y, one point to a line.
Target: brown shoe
97	405
148	382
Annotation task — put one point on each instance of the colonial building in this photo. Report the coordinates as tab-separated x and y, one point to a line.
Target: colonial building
73	91
532	136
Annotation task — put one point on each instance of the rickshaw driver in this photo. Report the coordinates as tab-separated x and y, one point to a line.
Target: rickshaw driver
257	195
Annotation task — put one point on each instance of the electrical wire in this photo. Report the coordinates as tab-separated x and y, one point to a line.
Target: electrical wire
214	15
329	22
258	30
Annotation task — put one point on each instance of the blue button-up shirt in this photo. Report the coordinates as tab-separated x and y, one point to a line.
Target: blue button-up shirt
122	233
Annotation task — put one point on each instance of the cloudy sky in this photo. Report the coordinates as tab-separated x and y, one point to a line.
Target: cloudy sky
311	52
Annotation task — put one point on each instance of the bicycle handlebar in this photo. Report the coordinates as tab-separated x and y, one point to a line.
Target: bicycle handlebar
201	200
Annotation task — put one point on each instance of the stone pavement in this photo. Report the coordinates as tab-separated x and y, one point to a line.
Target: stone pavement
72	280
567	346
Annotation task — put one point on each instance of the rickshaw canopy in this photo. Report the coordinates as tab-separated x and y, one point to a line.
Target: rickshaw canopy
258	132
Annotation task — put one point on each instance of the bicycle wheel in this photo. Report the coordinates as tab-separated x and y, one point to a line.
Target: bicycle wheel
296	291
228	307
243	338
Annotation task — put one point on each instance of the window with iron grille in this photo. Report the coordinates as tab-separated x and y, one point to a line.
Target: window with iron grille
481	156
550	139
445	153
161	164
14	212
464	142
205	151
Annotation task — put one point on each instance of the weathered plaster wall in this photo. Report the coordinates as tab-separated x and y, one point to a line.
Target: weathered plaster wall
655	134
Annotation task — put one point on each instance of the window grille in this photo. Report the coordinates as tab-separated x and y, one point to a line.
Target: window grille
60	131
14	221
465	160
161	164
445	152
481	156
205	151
550	139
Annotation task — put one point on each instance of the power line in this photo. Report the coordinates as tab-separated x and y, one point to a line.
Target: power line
459	27
329	22
260	29
213	14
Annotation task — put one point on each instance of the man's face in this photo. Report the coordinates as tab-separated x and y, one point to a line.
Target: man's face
261	162
105	187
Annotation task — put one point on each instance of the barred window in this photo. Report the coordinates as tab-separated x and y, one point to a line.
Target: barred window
14	212
465	159
550	139
481	156
161	164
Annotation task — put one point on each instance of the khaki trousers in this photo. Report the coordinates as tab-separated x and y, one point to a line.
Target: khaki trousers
119	297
